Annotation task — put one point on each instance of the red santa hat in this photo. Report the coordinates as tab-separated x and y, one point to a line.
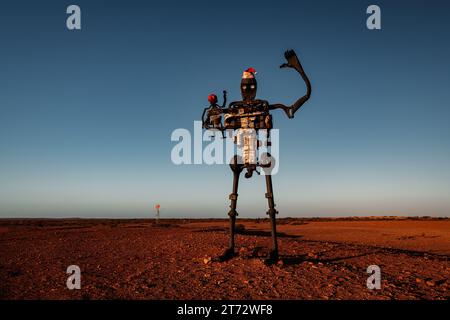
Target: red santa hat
249	73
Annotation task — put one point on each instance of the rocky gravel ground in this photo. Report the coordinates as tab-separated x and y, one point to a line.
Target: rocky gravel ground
139	259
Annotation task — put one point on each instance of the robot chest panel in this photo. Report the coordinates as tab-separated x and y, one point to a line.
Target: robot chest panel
245	118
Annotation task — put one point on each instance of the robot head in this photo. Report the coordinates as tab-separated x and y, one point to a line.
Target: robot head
248	85
212	98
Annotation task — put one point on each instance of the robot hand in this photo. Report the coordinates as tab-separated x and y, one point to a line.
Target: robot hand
292	61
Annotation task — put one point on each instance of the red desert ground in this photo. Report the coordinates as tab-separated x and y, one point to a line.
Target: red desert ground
142	259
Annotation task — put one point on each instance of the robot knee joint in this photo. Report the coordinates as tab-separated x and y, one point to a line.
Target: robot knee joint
272	212
232	213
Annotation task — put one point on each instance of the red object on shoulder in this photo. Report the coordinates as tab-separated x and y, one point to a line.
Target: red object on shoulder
212	98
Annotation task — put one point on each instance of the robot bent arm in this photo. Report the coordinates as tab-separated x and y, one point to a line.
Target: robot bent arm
293	62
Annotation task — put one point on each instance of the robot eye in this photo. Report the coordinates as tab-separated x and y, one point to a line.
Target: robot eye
252	86
244	87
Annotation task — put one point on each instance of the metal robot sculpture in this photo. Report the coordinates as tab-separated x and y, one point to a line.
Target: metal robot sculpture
246	117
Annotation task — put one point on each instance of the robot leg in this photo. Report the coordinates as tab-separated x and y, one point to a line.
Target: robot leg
273	254
236	167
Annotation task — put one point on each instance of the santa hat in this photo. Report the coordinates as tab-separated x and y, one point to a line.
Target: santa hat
249	73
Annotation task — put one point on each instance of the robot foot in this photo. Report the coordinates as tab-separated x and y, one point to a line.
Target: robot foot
272	257
227	255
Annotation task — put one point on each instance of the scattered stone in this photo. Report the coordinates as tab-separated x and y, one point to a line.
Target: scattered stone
207	260
430	283
312	255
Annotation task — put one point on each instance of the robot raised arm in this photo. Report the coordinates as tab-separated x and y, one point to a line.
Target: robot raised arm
294	63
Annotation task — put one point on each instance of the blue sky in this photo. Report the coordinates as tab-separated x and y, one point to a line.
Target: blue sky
86	116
